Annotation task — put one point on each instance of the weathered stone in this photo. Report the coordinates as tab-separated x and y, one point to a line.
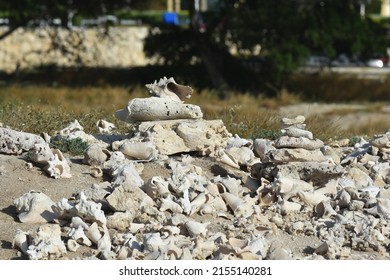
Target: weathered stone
177	136
382	141
295	155
301	142
16	142
156	108
318	173
296	132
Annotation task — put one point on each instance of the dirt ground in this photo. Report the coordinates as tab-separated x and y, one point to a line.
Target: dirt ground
18	178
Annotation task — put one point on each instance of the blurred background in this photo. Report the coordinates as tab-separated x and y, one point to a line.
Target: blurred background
250	62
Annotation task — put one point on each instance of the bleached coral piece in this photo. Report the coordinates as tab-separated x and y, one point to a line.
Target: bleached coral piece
58	166
168	88
47	243
155	108
34	207
16	142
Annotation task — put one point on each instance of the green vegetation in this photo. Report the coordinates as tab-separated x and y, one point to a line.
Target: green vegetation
50	109
74	146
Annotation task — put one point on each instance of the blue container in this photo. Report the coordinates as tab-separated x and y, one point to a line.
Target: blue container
170	18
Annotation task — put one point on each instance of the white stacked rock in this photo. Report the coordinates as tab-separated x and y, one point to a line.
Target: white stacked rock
296	154
168	125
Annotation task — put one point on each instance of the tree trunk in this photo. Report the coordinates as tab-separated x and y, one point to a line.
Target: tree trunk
209	58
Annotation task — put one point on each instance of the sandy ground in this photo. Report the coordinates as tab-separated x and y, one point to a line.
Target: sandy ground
17	178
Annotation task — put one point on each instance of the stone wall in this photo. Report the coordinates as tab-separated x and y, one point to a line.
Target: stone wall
94	47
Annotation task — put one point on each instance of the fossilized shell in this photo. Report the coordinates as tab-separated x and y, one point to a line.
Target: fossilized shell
79	236
89	210
96	172
72	245
153	242
21	241
289	187
329	188
239	207
225	158
196	228
95	155
127	177
169	204
232	185
78	222
312	198
156	187
289	206
34	207
47	243
104	126
58	166
262	147
145	151
324	209
168	88
198	202
41	153
381	209
72	127
94	233
154	108
241	155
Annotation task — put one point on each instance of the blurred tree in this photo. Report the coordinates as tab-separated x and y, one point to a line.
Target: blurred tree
286	32
29	12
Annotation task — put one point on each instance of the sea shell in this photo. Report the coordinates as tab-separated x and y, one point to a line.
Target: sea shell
41	153
195	228
34	207
198	202
90	211
262	147
58	166
95	155
47	243
72	127
324	209
289	187
239	207
156	187
79	236
94	233
21	241
72	245
145	151
152	242
168	88
78	222
232	185
126	176
96	172
287	207
225	158
312	198
242	155
169	204
104	126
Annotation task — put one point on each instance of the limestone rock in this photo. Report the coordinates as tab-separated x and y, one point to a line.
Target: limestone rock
295	155
298	142
16	142
155	108
177	136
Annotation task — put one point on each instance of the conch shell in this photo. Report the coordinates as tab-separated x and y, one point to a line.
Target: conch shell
168	88
58	166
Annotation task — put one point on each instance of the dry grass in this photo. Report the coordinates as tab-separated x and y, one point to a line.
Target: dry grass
48	109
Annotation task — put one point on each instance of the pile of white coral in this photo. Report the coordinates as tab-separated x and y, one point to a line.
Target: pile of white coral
295	184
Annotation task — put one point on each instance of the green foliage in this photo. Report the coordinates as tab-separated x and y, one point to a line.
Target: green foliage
75	146
353	140
265	134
